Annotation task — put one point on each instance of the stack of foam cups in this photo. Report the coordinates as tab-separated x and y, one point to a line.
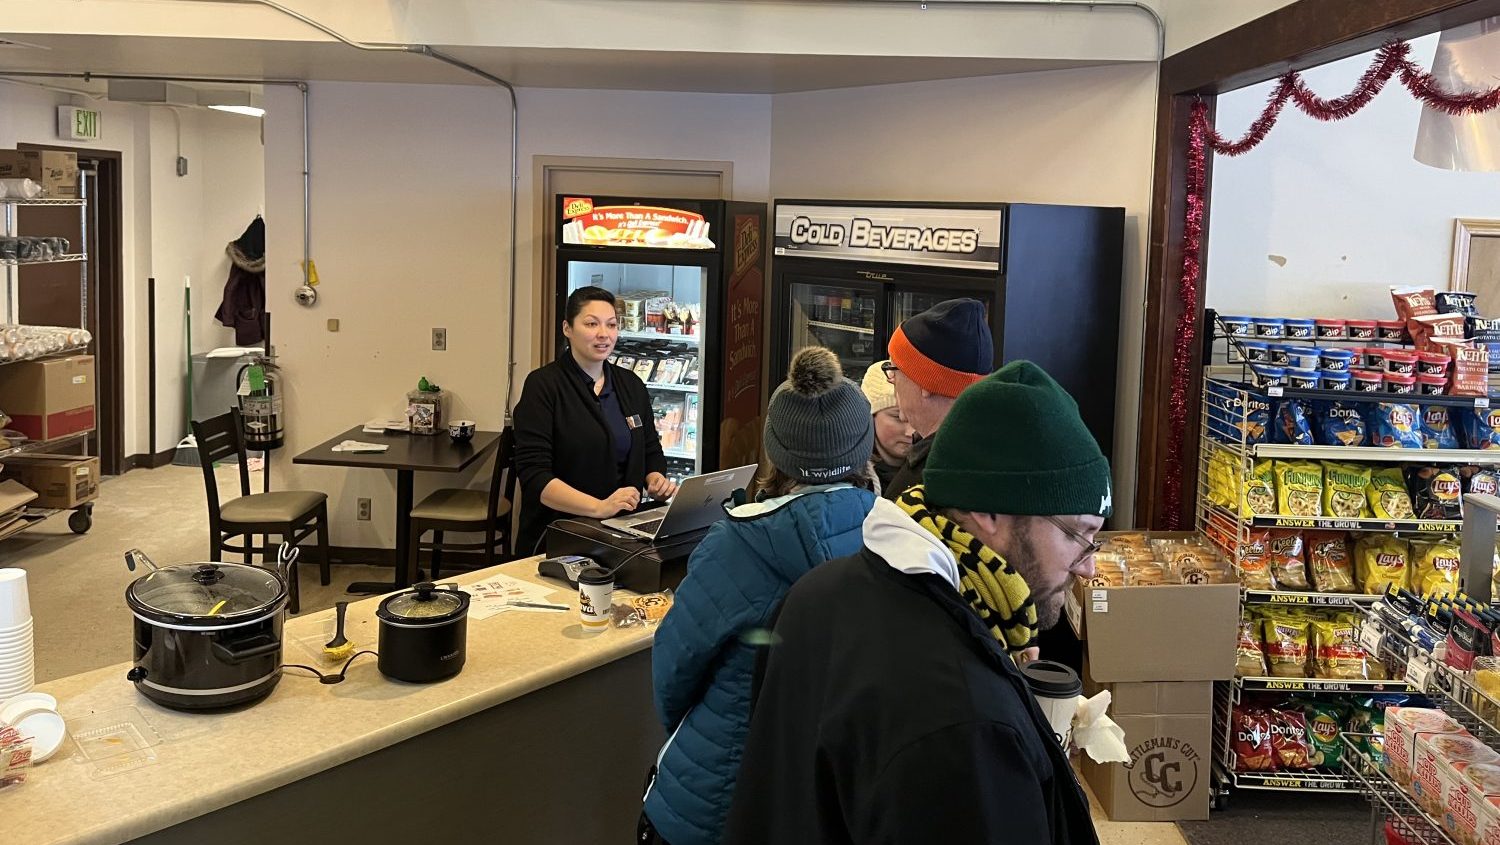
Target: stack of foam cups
17	648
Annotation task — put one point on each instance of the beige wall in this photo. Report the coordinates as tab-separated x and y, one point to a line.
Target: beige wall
1072	137
409	232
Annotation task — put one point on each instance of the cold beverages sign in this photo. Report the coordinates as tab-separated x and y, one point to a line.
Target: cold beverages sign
960	238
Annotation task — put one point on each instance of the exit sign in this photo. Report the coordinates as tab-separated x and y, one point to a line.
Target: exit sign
76	124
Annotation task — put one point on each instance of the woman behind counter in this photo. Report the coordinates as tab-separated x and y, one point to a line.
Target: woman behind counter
586	439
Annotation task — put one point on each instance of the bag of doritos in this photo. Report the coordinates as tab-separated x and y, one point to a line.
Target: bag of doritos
1339	424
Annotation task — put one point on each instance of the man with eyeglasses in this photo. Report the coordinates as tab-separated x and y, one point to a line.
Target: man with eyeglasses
934	356
891	708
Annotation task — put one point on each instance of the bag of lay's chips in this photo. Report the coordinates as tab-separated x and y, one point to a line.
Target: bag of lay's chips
1299	488
1437	428
1380	562
1434	567
1479	427
1480	480
1387	494
1395	425
1293	423
1436	492
1258	491
1344	490
1339	424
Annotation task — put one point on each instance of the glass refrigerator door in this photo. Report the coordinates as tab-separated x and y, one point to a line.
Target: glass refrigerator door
661	340
906	303
840	317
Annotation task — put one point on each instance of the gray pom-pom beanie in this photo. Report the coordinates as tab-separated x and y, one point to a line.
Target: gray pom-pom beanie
818	426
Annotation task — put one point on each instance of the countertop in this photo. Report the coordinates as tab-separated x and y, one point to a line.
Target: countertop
209	761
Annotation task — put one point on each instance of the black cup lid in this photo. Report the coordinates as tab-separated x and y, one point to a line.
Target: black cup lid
596	575
1052	679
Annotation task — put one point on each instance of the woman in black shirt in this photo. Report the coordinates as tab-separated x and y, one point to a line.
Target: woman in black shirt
586	441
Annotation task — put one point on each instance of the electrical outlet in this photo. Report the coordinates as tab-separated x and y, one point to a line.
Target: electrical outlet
439	340
333	325
182	166
362	510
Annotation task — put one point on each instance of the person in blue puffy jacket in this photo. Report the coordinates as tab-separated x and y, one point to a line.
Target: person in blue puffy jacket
810	505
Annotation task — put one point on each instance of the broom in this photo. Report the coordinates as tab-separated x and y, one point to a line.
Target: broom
187	448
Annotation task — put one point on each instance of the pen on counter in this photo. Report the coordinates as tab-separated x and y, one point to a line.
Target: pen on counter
539	605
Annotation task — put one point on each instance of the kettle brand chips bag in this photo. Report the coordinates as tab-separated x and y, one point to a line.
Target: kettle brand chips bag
1387	494
1414	301
1344	490
1328	561
1299	488
1436	492
1288	564
1434	567
1380	562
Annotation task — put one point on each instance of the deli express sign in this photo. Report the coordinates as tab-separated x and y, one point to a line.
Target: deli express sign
958	238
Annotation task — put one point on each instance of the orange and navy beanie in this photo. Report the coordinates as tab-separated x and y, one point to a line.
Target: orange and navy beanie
945	348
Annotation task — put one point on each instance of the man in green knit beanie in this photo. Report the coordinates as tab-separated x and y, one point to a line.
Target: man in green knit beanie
892	708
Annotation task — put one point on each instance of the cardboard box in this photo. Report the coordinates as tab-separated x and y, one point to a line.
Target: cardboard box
1169	731
55	171
1182	632
1403	727
60	481
50	398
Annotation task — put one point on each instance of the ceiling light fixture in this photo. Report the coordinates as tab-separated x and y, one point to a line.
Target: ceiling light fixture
252	111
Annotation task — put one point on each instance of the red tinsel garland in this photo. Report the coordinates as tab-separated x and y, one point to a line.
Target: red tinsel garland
1391	60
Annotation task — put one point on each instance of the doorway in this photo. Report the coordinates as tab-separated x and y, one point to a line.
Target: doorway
54	294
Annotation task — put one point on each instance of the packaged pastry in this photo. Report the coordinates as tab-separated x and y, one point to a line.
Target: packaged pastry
1252	740
1387	494
1289	739
1344	490
1287	558
1336	653
1380	562
1434	567
1109	570
1394	425
1299	488
1414	301
1325	720
1329	561
1437	428
1259	490
1403	725
1339	424
1286	643
1249	653
1254	560
1146	575
1436	492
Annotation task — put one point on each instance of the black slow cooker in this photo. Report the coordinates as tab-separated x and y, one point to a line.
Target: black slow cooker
423	633
207	635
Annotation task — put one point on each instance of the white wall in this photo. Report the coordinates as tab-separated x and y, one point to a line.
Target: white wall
409	232
1322	218
1070	137
1191	22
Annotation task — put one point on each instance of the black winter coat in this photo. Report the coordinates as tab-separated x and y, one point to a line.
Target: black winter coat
910	472
889	715
561	433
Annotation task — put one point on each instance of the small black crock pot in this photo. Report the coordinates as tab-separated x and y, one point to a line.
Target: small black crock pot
423	632
207	635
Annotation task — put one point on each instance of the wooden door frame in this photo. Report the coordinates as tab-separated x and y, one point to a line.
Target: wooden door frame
1302	35
544	240
110	301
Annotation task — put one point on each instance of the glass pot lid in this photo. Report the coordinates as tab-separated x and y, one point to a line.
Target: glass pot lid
206	592
424	604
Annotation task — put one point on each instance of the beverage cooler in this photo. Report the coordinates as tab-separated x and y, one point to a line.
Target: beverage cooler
689	278
845	274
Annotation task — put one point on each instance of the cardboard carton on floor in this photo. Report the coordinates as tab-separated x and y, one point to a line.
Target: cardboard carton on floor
60	481
1168	731
1181	632
55	171
50	398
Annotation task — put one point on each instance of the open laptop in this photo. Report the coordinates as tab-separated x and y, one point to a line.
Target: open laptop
699	503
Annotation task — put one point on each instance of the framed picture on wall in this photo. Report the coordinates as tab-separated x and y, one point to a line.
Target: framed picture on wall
1476	261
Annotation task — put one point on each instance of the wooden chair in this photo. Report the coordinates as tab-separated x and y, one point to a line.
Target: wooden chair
469	510
292	515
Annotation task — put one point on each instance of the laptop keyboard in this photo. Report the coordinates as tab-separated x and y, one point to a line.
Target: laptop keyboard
648	527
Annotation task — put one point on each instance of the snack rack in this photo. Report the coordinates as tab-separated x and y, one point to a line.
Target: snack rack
1225	428
81	517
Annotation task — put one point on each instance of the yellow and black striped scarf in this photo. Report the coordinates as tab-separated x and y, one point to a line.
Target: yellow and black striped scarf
999	595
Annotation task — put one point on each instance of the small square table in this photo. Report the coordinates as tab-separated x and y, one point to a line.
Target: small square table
408	454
